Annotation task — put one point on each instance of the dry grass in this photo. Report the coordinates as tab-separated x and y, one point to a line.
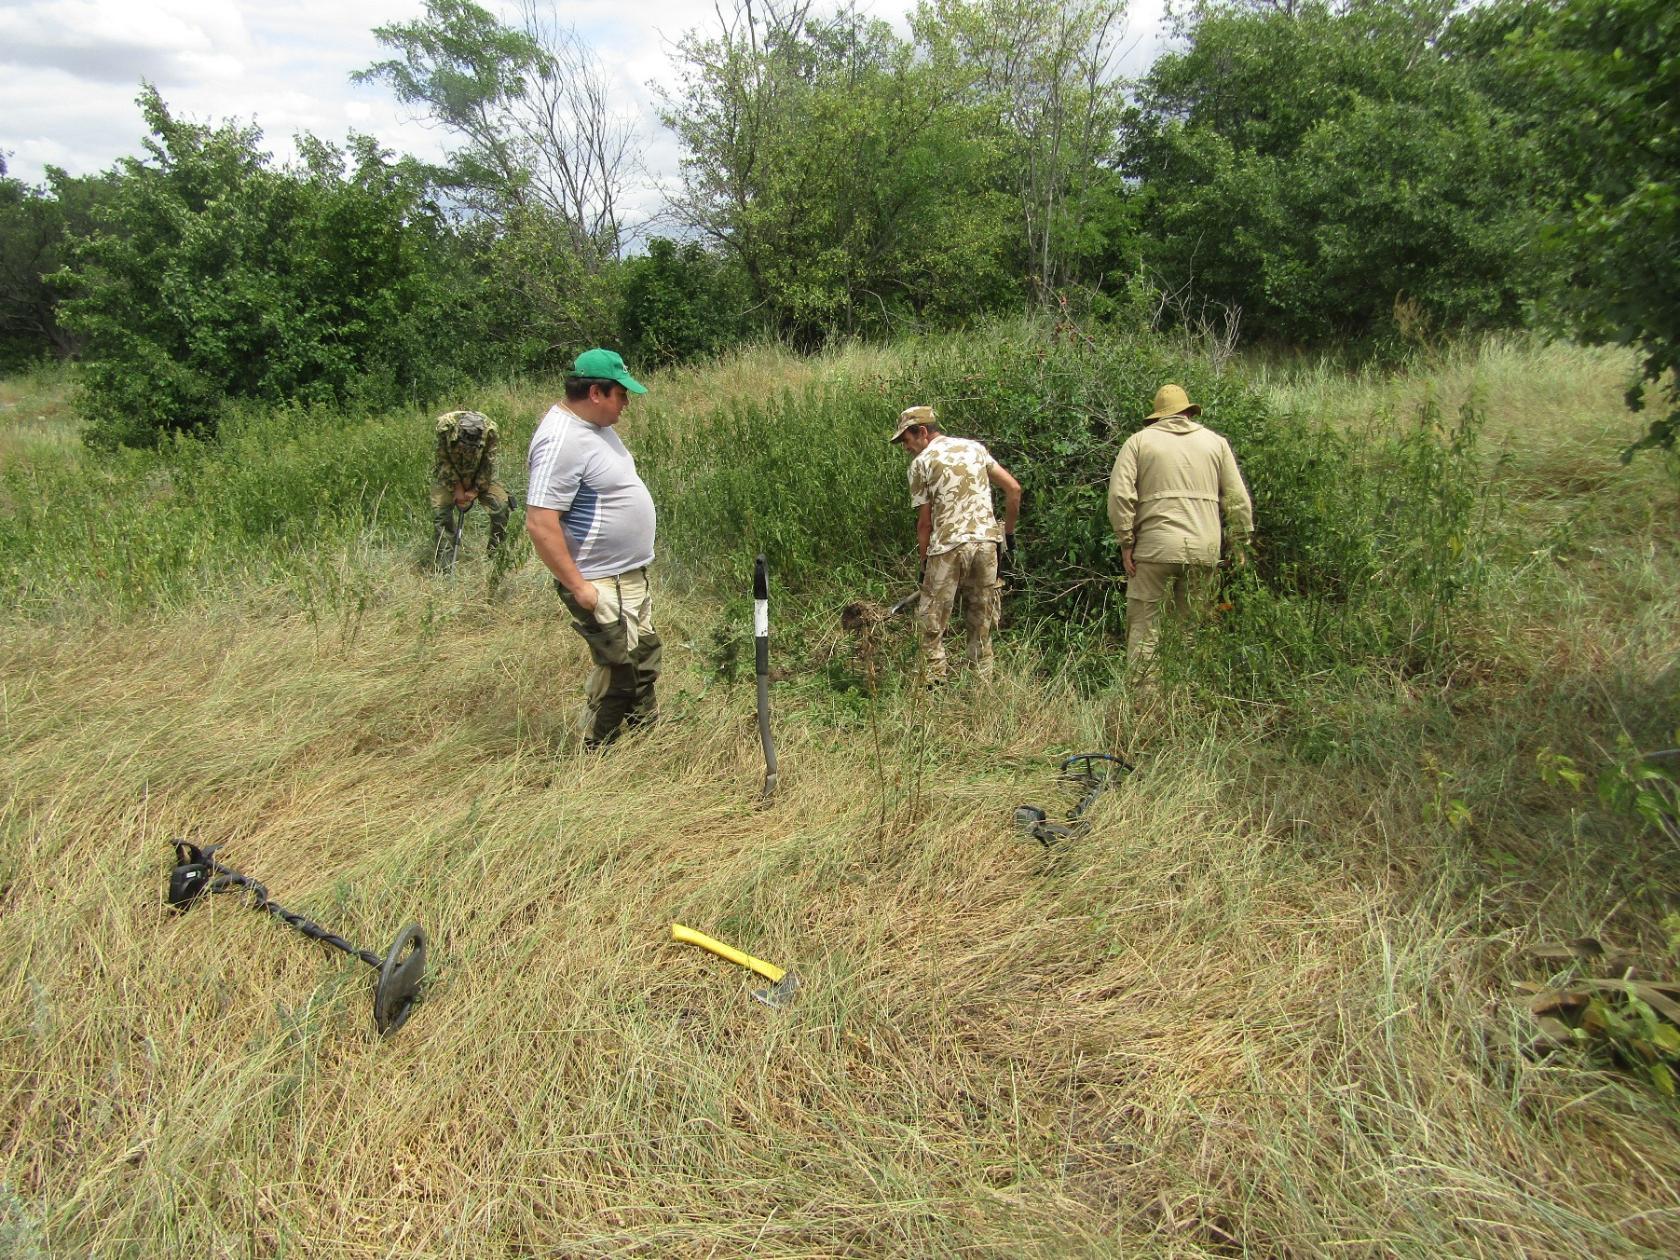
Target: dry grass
36	424
1263	1008
1555	419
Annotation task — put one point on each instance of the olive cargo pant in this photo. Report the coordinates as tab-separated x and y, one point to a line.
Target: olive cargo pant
625	650
497	503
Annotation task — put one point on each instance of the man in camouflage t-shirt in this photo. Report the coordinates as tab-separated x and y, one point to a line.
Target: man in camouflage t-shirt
951	482
463	473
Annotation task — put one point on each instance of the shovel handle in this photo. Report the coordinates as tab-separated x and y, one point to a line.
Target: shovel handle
689	936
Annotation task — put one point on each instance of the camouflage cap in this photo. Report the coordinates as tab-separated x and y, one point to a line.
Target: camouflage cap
468	427
910	417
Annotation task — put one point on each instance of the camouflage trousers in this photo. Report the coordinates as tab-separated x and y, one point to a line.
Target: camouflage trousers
972	569
625	651
1189	587
497	503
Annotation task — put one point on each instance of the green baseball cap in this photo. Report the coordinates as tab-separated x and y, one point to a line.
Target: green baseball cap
606	365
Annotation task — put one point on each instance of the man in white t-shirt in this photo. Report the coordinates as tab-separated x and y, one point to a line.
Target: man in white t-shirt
591	520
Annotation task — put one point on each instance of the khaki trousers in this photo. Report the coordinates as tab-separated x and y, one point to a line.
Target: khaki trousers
625	651
1190	587
972	569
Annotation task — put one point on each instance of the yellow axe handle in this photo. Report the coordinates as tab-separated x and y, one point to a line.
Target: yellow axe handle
689	936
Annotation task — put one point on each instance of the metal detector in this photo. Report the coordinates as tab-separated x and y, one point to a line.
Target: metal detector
401	971
1036	823
455	542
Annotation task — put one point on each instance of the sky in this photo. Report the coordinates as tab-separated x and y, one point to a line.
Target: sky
70	70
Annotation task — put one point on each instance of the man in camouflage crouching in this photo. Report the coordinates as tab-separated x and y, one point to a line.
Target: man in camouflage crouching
957	531
464	474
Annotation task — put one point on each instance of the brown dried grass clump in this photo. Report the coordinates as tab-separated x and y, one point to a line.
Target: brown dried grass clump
1190	1031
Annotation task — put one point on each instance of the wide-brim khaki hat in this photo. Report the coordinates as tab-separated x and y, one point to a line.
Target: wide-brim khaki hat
1171	400
910	417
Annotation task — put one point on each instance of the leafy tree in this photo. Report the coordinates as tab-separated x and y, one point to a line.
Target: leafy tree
541	169
679	302
1336	174
584	155
1603	80
467	70
212	276
853	185
533	114
547	298
1040	73
38	226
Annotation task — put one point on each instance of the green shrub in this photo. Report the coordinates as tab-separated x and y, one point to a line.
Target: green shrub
807	478
135	528
1367	543
215	278
679	303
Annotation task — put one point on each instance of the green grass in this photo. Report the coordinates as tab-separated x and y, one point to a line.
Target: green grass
1266	1007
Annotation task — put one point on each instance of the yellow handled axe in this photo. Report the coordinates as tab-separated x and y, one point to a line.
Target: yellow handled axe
783	984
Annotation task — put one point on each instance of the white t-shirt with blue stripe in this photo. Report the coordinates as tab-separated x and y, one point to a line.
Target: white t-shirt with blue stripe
583	472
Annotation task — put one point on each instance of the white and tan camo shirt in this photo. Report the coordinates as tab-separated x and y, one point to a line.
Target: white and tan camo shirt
951	475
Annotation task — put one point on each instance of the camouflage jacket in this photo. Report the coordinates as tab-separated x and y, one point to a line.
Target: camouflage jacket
456	461
951	475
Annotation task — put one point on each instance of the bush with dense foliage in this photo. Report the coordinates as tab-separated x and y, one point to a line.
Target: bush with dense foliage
1352	532
39	226
1336	174
680	302
213	277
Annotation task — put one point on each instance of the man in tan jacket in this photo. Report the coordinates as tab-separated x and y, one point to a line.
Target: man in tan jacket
1170	483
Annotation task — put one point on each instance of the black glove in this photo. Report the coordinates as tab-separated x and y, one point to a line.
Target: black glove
1009	559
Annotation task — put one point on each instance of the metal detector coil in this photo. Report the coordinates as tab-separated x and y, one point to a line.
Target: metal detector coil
1093	771
401	971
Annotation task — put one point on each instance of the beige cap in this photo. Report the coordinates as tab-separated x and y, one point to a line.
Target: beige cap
1171	400
910	417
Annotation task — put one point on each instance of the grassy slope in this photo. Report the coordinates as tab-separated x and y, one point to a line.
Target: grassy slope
1264	1007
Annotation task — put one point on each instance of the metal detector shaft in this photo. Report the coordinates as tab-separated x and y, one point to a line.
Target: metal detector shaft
227	877
761	650
460	524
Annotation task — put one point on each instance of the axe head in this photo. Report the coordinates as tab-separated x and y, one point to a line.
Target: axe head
779	994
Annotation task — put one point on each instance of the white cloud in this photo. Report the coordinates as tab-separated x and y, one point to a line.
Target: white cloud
120	42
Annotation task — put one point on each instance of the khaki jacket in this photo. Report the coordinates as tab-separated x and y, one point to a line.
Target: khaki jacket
1165	495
